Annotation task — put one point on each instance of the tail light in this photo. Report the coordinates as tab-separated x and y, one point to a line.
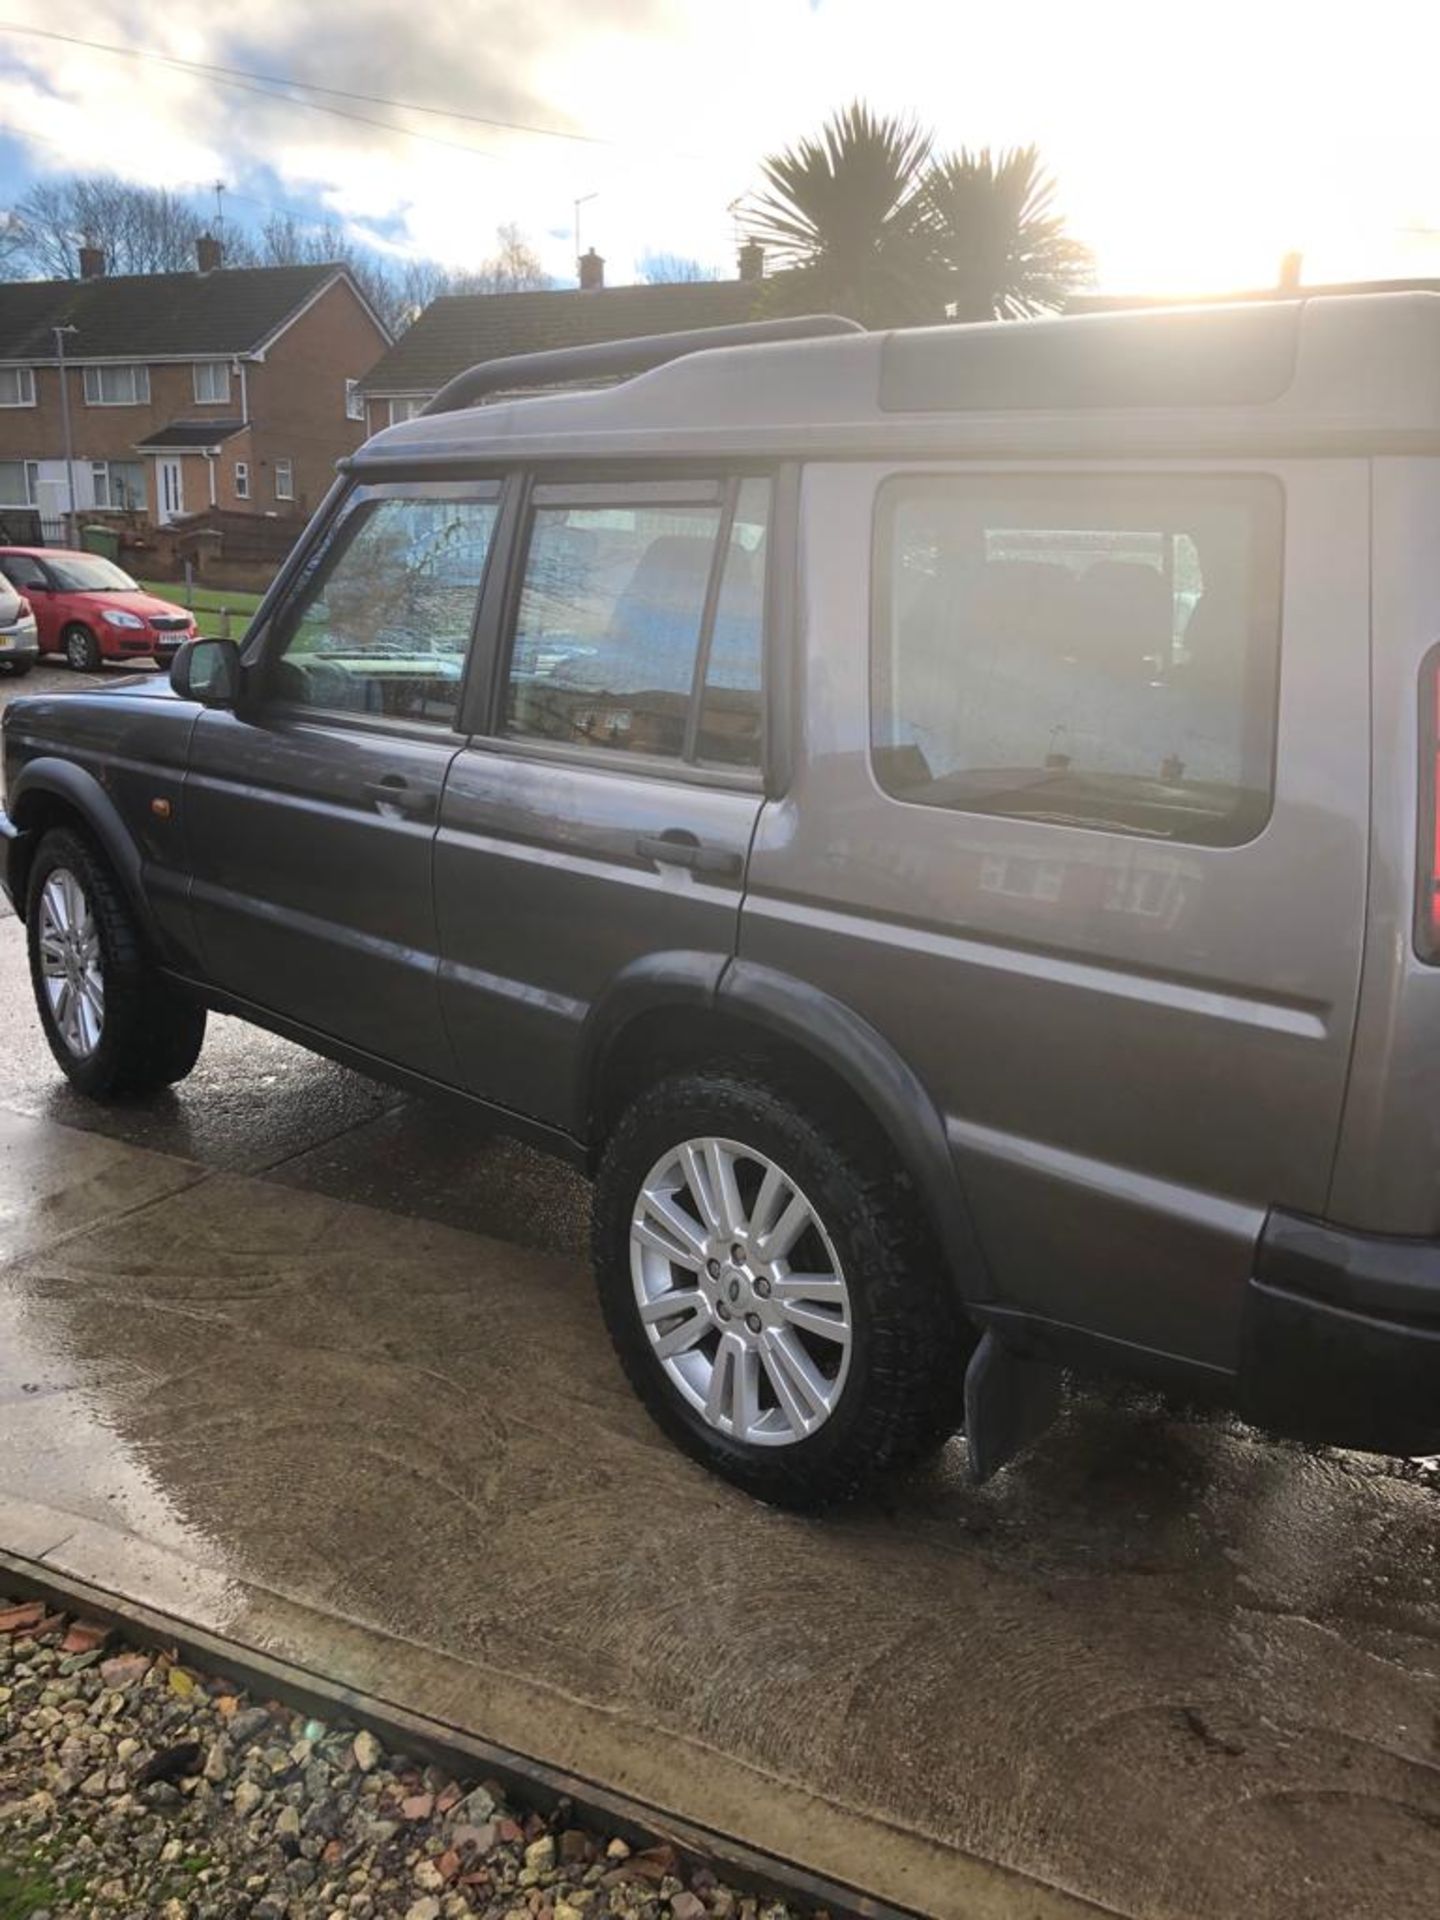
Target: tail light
1427	890
26	610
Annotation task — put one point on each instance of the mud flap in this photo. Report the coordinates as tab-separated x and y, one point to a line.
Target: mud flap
1009	1401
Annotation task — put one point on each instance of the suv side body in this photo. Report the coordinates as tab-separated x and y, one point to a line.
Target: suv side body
1138	1068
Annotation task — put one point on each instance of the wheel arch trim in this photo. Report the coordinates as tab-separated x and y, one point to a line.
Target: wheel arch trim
832	1034
63	780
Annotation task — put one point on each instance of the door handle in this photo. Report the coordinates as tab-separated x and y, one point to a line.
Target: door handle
677	847
392	793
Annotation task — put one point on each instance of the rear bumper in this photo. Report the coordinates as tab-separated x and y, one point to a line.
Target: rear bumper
19	644
1342	1336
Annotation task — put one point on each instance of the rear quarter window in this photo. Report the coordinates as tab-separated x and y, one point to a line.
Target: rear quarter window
1090	650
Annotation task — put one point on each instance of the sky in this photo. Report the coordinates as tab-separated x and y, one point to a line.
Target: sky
1192	146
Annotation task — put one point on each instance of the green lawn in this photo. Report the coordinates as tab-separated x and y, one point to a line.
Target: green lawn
208	604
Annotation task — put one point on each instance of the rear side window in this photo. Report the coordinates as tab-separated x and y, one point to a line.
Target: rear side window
1093	650
640	624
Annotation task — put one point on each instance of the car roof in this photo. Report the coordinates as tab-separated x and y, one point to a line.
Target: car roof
1350	371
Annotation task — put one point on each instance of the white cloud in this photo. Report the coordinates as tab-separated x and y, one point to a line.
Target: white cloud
1192	147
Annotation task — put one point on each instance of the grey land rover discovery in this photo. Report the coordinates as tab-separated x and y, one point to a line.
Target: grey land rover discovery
943	825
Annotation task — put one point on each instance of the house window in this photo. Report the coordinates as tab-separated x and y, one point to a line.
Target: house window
119	485
242	479
405	410
212	383
19	482
17	387
354	401
284	480
117	386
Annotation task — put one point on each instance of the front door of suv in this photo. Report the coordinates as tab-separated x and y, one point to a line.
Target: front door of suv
311	809
600	818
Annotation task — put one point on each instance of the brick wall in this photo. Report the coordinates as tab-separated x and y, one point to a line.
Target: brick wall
297	399
101	433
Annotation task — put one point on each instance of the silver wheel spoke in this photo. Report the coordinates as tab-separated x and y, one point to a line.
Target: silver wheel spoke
801	1387
762	1214
694	1325
817	1320
689	1247
720	1165
722	1399
697	1179
776	1244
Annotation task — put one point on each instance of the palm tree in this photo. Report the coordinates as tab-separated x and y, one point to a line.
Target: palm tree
841	213
992	237
870	224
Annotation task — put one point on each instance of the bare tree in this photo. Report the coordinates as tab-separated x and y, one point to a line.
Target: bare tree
661	269
139	229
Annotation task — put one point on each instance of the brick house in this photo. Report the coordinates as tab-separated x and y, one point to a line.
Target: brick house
460	330
229	387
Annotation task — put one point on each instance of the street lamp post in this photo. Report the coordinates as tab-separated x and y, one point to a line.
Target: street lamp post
60	333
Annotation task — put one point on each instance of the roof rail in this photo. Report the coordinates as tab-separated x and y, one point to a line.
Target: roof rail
608	359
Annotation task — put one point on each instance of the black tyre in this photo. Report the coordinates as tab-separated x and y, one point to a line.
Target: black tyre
772	1291
113	1025
17	668
82	649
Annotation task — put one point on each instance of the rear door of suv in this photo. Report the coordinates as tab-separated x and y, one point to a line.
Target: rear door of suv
599	817
1078	824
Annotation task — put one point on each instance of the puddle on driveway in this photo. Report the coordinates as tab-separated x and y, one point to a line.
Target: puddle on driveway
1160	1663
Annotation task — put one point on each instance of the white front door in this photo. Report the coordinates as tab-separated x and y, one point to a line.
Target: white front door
170	490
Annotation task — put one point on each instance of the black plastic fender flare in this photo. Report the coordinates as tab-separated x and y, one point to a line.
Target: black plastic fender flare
48	774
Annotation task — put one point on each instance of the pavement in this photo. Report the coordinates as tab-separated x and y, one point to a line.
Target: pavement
315	1366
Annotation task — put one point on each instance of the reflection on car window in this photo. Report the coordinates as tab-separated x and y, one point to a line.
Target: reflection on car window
612	649
384	626
90	573
609	625
730	711
1088	650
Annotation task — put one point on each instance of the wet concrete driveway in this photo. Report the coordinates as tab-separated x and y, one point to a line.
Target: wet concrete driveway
317	1367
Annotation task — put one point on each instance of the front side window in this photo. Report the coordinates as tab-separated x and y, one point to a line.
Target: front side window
212	383
639	627
17	387
1089	650
383	624
284	480
117	386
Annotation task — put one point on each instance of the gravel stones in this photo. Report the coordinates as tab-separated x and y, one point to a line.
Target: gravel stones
132	1788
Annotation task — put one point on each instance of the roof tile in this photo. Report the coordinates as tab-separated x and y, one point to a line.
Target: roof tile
461	330
142	316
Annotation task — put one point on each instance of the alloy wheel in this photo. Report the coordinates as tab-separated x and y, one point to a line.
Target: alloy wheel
69	944
741	1292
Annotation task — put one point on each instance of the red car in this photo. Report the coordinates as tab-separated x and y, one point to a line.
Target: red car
89	610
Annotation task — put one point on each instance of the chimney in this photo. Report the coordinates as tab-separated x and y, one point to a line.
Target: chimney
207	252
92	263
752	260
592	272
